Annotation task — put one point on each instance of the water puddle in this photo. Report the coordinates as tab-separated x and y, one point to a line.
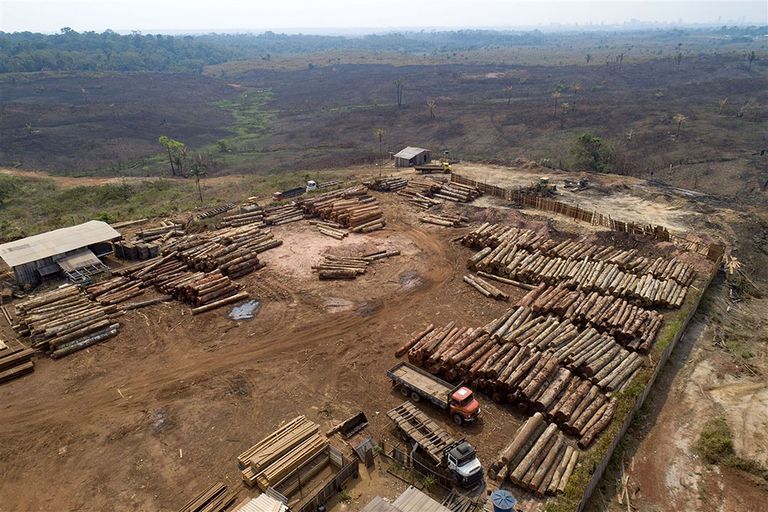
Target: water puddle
245	311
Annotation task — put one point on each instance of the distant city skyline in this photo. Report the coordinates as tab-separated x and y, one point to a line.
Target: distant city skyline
364	16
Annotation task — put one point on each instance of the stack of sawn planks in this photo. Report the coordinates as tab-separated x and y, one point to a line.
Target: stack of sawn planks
351	208
538	458
281	453
214	499
65	320
15	361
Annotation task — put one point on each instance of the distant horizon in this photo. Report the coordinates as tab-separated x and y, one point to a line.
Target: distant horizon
361	17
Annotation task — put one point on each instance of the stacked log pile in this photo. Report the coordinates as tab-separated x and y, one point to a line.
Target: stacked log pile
284	214
213	211
522	255
634	326
331	229
533	362
485	288
15	361
419	193
214	499
65	320
281	453
166	229
444	219
348	267
539	458
457	192
248	216
351	208
387	184
115	290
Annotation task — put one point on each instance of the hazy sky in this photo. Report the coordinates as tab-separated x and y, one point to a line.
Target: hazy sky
322	15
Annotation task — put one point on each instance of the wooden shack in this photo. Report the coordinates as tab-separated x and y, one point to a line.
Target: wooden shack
75	250
412	156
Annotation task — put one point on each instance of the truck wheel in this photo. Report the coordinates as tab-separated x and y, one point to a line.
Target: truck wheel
415	396
404	391
458	420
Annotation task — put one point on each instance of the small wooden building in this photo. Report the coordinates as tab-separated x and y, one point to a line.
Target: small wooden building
411	156
67	249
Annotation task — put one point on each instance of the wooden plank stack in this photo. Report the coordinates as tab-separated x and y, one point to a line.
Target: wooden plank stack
281	453
430	436
386	184
15	361
135	250
65	320
444	219
538	459
214	499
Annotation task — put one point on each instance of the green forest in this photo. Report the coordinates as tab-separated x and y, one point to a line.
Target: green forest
70	50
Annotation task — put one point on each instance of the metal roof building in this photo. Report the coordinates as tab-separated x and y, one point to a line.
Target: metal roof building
411	156
68	249
411	500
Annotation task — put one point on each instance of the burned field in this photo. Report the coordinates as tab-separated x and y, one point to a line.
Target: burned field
348	283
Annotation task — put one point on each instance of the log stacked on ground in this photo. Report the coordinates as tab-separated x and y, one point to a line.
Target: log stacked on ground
281	453
115	290
420	193
444	219
214	499
213	211
248	215
539	458
331	229
65	320
348	267
386	184
457	192
485	288
165	228
15	361
351	208
283	214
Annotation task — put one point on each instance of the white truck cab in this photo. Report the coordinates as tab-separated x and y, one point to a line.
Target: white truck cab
462	460
311	185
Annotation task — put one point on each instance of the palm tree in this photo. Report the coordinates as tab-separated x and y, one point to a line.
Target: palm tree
679	119
431	104
723	103
399	90
750	58
198	170
588	57
509	90
556	97
379	132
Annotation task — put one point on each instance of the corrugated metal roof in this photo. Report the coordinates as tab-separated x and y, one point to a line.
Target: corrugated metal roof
55	242
378	504
262	503
410	152
413	500
80	259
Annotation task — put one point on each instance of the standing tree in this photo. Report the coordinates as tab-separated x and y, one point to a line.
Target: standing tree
751	57
678	58
593	153
565	107
177	154
198	170
399	90
723	103
679	119
379	132
509	90
588	57
576	90
431	105
556	98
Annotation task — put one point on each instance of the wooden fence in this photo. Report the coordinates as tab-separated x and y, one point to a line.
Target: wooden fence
348	471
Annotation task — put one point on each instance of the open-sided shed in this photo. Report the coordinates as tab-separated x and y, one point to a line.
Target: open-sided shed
411	156
39	256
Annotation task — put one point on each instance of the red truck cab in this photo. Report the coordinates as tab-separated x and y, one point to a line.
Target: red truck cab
464	406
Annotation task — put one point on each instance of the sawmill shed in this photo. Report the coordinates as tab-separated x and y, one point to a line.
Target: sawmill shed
74	250
411	156
412	500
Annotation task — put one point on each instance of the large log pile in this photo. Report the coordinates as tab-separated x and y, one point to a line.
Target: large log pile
281	453
539	458
485	288
628	260
115	290
523	255
212	211
283	214
351	208
386	184
165	230
534	362
216	498
247	216
65	320
420	192
457	192
634	326
444	219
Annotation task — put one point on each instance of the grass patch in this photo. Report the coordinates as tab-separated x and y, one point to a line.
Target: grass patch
715	445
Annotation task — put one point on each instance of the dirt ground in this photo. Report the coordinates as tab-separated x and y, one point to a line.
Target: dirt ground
152	417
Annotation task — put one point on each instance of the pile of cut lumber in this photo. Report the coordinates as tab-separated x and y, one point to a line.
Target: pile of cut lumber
387	184
284	214
634	326
444	219
485	288
538	458
115	290
351	208
248	215
65	320
135	250
214	499
281	453
348	267
15	361
213	211
457	192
